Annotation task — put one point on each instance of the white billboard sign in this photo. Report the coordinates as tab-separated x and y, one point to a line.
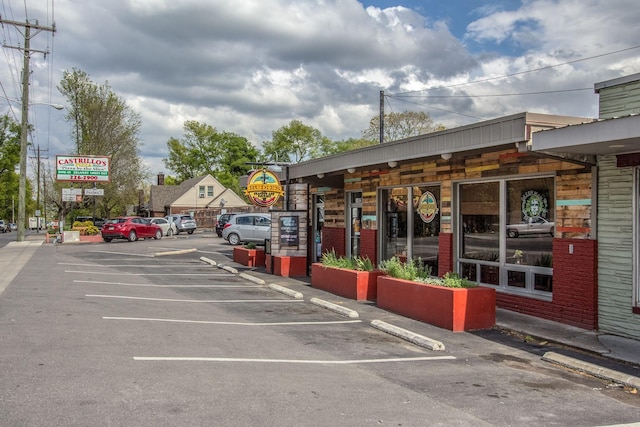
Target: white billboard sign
93	192
82	168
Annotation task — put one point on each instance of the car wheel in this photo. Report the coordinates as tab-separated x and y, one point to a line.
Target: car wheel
108	239
133	236
169	232
190	231
512	233
233	239
158	235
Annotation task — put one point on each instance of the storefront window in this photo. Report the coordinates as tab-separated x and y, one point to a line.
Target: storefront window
480	213
395	222
426	225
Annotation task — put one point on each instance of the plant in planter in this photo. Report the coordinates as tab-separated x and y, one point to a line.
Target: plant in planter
251	245
350	277
450	302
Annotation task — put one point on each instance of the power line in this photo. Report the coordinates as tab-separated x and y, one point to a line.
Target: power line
494	95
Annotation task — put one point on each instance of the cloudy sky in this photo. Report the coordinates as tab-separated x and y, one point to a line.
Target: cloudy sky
251	66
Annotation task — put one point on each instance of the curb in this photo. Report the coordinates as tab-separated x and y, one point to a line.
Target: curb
286	291
590	368
352	314
184	251
208	261
412	337
227	268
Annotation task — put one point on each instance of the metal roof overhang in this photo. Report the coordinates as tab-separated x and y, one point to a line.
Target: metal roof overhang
604	137
478	136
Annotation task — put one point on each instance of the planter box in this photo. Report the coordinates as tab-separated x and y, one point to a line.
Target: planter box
456	309
357	285
249	257
289	266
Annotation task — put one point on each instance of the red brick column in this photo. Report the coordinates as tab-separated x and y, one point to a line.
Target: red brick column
334	238
445	253
369	245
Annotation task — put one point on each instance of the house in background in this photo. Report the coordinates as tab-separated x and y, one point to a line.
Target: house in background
612	145
202	197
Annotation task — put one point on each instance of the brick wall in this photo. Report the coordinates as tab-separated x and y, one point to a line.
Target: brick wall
445	253
369	244
334	238
575	295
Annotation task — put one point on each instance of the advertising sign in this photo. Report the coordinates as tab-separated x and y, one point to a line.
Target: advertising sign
82	168
289	231
263	188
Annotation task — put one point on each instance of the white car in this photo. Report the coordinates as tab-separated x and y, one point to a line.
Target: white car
168	229
537	225
250	227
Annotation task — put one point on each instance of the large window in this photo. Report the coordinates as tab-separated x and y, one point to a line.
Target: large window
506	230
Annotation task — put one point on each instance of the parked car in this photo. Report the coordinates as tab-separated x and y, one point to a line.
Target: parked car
250	227
4	227
537	225
183	223
13	226
131	228
168	229
222	220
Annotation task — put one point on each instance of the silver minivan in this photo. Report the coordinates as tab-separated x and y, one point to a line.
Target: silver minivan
249	227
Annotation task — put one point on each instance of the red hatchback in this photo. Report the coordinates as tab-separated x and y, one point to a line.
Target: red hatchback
131	228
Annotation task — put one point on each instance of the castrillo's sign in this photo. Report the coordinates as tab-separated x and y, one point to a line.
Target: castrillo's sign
263	188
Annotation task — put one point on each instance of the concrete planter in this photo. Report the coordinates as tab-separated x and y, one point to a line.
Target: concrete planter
357	285
249	257
455	309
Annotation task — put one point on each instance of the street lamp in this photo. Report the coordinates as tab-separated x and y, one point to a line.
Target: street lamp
24	128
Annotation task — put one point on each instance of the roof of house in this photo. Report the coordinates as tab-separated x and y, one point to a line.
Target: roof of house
162	196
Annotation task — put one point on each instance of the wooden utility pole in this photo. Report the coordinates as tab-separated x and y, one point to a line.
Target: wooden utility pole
381	116
24	128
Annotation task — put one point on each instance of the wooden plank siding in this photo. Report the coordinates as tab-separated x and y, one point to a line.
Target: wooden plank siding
615	249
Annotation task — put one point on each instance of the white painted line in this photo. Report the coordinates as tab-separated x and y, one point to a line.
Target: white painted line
192	300
148	285
155	265
335	307
252	278
120	273
292	361
122	253
207	322
412	337
286	291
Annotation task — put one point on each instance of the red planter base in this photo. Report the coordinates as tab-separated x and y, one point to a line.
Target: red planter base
289	266
249	257
456	309
358	285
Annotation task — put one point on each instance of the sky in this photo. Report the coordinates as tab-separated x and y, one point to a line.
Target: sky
252	66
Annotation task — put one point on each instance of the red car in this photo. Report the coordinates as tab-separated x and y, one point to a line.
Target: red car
131	228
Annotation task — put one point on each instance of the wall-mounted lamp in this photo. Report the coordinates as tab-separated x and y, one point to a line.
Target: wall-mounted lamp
351	170
320	175
392	164
445	156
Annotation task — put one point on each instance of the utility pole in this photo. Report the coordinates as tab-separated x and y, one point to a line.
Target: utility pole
381	116
24	128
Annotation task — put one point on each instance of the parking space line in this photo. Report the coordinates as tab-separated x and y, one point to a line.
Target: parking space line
198	265
292	361
150	285
123	253
193	300
209	322
120	273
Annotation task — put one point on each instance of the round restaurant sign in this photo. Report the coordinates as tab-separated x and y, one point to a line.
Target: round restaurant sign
427	207
263	188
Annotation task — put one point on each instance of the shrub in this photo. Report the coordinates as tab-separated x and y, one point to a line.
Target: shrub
89	228
416	271
251	245
330	259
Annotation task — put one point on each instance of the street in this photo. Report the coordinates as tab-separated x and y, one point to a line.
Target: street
146	333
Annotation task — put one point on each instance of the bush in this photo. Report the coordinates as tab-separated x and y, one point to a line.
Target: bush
416	271
89	228
330	259
251	245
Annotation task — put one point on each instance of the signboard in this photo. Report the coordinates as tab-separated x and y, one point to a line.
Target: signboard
263	188
72	194
289	231
93	192
82	168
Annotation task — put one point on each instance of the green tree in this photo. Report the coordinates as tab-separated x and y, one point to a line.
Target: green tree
296	142
350	144
204	150
401	125
104	125
9	159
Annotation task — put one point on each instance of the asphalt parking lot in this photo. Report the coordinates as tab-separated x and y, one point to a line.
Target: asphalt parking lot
128	332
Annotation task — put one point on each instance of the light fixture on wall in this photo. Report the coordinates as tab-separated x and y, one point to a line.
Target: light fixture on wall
320	175
445	156
392	164
351	170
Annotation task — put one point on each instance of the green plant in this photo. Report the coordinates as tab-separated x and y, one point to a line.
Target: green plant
89	228
413	269
330	259
251	245
544	260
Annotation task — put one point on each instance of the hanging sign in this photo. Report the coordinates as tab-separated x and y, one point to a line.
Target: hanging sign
263	188
427	207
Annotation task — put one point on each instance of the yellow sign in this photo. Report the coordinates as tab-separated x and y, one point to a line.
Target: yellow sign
263	188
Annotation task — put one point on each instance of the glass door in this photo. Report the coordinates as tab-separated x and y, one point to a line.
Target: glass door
354	217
